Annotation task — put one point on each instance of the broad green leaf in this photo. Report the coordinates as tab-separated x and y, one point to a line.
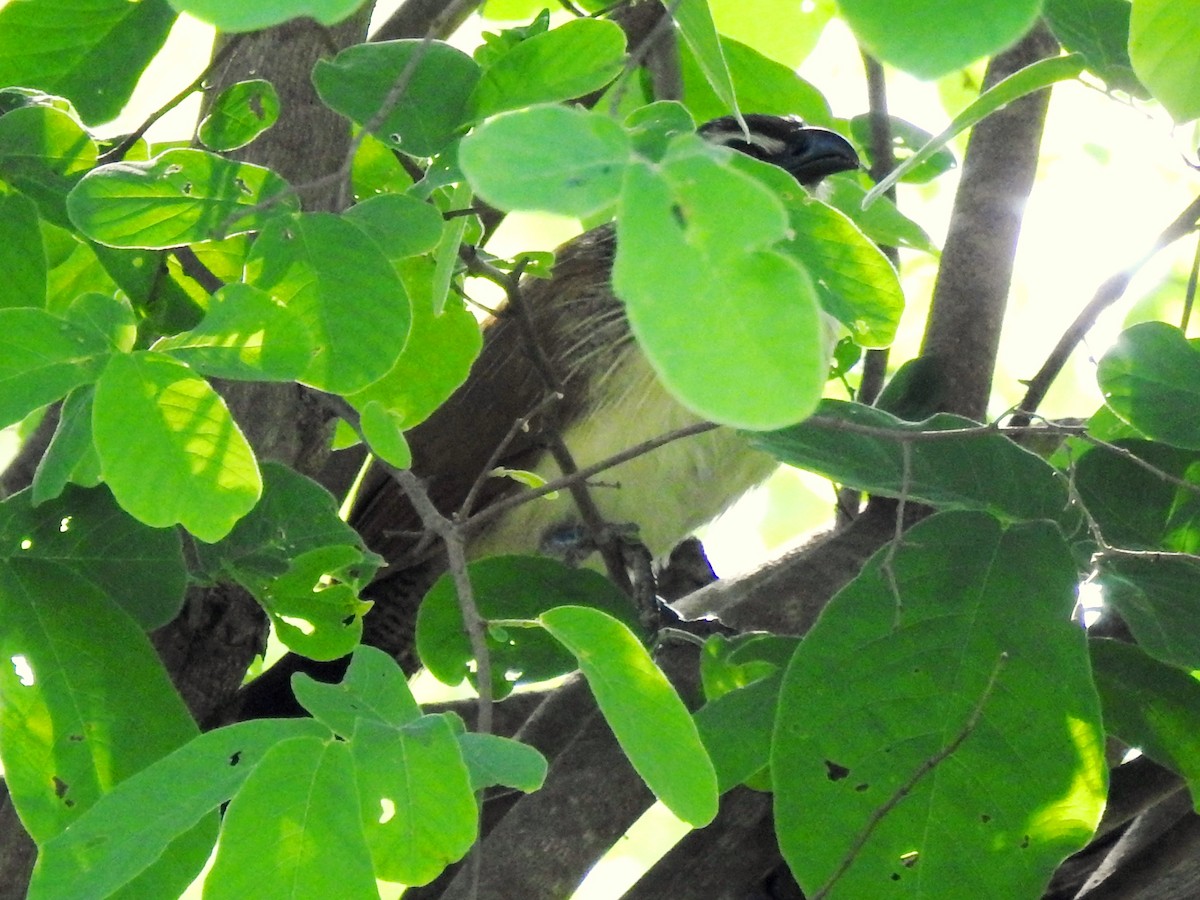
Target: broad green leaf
731	327
374	688
1151	379
314	607
736	729
882	221
1157	599
572	60
384	433
43	153
550	158
71	456
418	810
92	51
22	254
294	829
343	289
42	358
240	113
1098	29
180	197
246	333
930	38
652	127
401	225
236	15
649	720
698	30
428	113
79	685
140	569
129	828
510	587
295	516
912	712
1040	74
436	359
1151	706
169	450
980	471
762	86
495	760
783	30
110	319
1163	35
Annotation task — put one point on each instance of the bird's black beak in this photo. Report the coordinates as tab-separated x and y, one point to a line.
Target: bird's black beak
814	153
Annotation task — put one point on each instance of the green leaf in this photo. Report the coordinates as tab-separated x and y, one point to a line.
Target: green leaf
180	197
384	432
92	51
1098	29
401	225
930	38
651	127
79	685
762	85
342	288
574	59
116	839
246	333
140	569
1151	706
698	30
649	720
907	140
169	450
1157	599
235	15
736	729
436	359
784	31
1040	74
71	456
22	253
431	110
974	471
510	587
418	810
549	158
294	829
921	755
374	688
1151	379
314	610
43	153
495	760
882	221
240	113
42	358
1163	35
714	309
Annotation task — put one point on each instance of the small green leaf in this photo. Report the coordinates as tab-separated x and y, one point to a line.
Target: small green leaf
1159	602
736	729
374	688
431	110
510	587
314	610
246	333
415	795
1162	38
651	723
71	456
295	822
235	16
43	153
180	197
907	140
42	358
1099	29
549	158
384	432
401	225
240	113
22	254
169	450
574	59
342	288
1151	379
972	471
964	32
495	760
698	30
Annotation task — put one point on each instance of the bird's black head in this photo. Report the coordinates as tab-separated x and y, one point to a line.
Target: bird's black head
806	152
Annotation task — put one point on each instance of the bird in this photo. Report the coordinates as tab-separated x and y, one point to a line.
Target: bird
607	399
